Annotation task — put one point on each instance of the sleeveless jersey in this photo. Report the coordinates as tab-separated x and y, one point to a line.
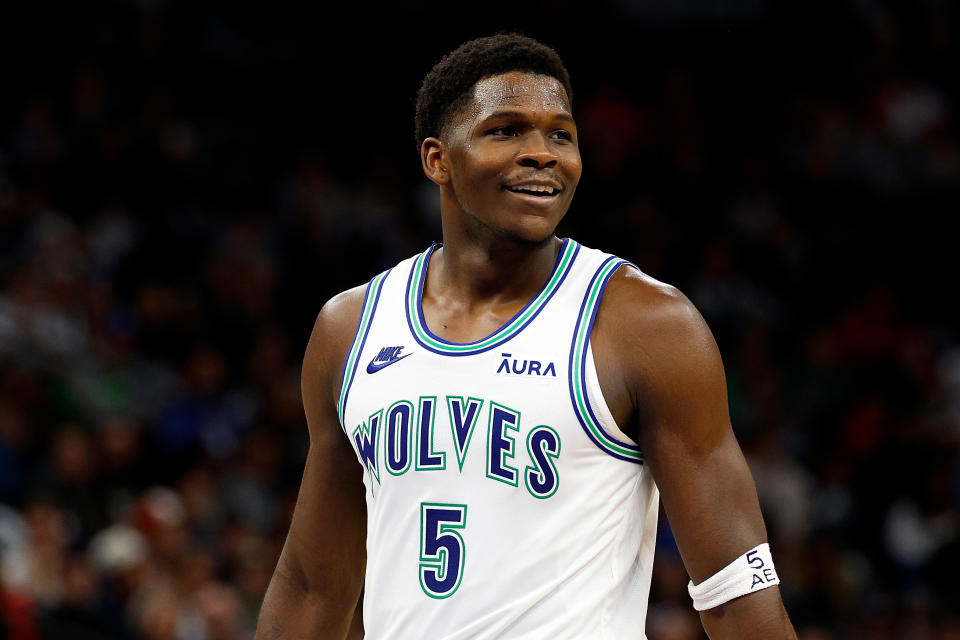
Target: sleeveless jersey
502	499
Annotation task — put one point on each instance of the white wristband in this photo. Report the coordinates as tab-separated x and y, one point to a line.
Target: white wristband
753	571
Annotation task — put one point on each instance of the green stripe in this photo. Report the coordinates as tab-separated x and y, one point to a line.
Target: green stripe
579	348
365	316
504	333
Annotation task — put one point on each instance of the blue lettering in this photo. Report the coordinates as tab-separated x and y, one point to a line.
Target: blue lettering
504	366
752	557
462	425
399	423
441	548
500	443
543	445
365	437
534	368
756	580
427	458
550	370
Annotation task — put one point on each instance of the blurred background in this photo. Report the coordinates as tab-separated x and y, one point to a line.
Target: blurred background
183	185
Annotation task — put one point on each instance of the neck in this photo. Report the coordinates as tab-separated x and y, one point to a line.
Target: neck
490	268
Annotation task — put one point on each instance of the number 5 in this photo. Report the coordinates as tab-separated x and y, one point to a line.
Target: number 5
441	547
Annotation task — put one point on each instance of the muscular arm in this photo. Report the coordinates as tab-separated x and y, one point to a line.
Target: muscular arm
318	579
661	372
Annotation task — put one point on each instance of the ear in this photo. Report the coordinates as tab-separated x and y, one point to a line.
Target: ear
433	158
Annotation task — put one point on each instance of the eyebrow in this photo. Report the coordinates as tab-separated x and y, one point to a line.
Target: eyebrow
560	115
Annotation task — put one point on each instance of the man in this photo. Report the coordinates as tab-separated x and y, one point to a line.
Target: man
515	401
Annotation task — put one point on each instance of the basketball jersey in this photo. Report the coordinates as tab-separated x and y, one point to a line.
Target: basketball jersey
502	499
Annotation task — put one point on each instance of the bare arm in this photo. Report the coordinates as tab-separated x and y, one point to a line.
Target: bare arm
666	379
319	577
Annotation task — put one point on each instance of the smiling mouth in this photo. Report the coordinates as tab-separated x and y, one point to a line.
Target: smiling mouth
540	191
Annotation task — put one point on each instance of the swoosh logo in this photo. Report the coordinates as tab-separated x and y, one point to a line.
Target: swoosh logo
375	366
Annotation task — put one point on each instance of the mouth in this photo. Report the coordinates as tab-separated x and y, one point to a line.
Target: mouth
535	192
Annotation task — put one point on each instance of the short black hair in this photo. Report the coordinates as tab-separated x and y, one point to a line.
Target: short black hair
446	89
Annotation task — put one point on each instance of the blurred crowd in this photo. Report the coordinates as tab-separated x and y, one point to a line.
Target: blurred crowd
162	262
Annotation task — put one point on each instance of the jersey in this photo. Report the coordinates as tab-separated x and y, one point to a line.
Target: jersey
502	499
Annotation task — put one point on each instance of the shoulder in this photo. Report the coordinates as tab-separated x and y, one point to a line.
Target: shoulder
330	340
636	306
341	312
654	338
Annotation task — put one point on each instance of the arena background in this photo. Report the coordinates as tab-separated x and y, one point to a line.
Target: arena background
182	186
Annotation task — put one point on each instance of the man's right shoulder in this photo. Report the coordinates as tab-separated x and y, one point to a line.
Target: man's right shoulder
332	335
341	312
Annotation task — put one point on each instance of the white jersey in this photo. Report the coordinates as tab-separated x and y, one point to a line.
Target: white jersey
502	499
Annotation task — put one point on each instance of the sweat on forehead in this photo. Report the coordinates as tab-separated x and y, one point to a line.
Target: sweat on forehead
515	88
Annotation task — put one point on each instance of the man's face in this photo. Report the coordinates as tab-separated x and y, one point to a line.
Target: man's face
513	157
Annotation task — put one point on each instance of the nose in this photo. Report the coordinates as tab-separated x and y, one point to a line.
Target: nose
536	153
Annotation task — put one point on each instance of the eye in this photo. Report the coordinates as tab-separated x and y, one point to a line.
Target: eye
506	132
562	134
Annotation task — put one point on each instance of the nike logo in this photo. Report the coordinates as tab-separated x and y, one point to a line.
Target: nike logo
386	357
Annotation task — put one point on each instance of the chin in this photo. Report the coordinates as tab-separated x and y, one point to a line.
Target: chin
534	235
521	228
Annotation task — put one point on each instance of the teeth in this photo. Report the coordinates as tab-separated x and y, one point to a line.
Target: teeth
535	188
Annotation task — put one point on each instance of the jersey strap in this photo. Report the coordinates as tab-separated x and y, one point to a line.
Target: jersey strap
431	342
577	369
370	301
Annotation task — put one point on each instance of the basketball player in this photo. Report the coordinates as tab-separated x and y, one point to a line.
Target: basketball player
518	405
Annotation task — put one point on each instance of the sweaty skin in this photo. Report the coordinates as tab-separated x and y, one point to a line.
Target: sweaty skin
659	367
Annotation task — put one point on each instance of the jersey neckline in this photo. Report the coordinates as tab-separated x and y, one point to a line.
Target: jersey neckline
413	300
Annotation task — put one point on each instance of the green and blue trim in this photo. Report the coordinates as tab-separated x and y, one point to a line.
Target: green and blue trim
426	339
577	369
370	301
